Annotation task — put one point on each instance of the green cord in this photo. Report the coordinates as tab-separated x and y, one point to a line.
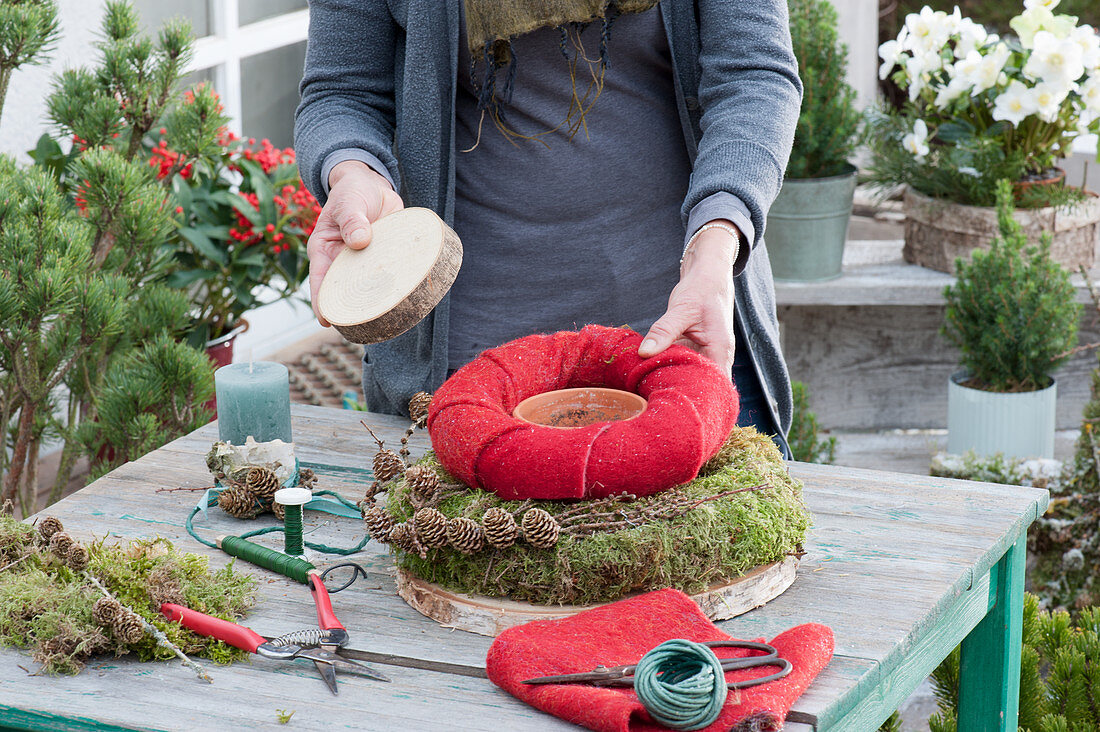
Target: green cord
681	684
337	506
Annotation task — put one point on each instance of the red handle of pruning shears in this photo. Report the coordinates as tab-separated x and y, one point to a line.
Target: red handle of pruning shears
326	618
235	635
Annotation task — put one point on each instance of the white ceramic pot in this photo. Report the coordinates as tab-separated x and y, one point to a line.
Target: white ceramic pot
1018	425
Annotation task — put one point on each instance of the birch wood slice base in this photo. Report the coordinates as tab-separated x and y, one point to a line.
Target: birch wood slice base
492	615
374	294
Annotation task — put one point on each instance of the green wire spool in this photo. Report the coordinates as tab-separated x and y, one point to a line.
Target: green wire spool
292	500
295	568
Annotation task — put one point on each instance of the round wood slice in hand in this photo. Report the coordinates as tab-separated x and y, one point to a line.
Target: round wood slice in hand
377	293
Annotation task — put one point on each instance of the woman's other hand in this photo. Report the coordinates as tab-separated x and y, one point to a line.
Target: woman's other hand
700	308
357	197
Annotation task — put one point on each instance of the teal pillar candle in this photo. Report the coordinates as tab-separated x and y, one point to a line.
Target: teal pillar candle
253	399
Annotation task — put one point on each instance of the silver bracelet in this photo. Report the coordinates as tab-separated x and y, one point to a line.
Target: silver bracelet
725	227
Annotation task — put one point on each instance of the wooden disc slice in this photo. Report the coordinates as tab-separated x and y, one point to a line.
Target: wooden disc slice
377	293
494	615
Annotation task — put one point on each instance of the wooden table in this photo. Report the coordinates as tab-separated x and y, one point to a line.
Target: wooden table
902	567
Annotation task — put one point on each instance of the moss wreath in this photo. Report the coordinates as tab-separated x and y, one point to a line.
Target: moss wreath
692	406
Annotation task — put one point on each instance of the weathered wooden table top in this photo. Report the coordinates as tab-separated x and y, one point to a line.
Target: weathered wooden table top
898	565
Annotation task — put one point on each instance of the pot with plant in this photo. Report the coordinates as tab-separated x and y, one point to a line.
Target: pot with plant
983	108
243	217
1013	315
808	222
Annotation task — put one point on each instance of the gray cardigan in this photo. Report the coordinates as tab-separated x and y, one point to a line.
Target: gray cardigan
380	78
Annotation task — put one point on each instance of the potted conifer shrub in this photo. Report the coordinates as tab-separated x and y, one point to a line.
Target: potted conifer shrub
808	221
1013	315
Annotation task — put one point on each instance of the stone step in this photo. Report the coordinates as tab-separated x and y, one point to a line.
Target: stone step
911	451
869	348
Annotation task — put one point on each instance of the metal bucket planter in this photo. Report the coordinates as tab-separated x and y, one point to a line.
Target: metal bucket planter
807	226
1018	425
937	232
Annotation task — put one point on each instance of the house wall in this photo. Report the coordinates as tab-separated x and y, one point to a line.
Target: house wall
24	118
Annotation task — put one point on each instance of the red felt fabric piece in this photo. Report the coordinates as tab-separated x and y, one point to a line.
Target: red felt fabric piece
621	633
692	408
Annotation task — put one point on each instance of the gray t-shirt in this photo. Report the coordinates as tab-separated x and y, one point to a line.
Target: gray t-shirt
577	231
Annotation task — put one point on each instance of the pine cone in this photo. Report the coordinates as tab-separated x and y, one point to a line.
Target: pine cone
49	526
418	408
60	543
431	527
465	535
403	536
127	626
105	610
76	558
239	502
379	523
422	482
262	482
307	478
279	510
163	587
387	465
540	529
500	528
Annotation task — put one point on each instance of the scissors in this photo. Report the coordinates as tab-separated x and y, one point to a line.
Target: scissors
624	675
322	646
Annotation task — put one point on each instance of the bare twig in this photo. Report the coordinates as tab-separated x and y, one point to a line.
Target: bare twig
173	490
9	565
381	443
161	638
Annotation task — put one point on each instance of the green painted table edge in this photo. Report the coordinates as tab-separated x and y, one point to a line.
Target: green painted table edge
20	720
987	619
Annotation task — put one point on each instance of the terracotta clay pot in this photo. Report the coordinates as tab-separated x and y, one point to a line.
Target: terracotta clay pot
567	408
1055	177
220	350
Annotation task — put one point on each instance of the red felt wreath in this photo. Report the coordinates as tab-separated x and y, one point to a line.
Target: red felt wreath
692	406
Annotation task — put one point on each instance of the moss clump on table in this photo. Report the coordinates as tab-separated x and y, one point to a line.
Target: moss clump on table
718	540
46	605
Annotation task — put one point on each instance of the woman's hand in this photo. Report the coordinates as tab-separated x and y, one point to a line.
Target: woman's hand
700	308
357	197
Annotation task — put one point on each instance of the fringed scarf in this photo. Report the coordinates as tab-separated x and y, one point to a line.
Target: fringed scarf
492	25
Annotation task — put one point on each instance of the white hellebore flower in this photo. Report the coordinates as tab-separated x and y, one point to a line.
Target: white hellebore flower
928	30
1015	103
1086	37
892	54
947	94
916	142
1048	4
1048	99
1090	94
970	36
1038	18
988	73
1055	60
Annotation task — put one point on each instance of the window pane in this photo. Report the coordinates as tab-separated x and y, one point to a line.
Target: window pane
253	10
155	12
269	93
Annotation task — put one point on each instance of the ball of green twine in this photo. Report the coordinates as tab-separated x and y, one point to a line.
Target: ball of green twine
681	684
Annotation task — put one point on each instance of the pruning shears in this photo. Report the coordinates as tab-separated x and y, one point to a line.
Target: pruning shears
321	645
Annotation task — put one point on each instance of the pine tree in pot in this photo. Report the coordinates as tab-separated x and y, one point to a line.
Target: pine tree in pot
808	221
1013	315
